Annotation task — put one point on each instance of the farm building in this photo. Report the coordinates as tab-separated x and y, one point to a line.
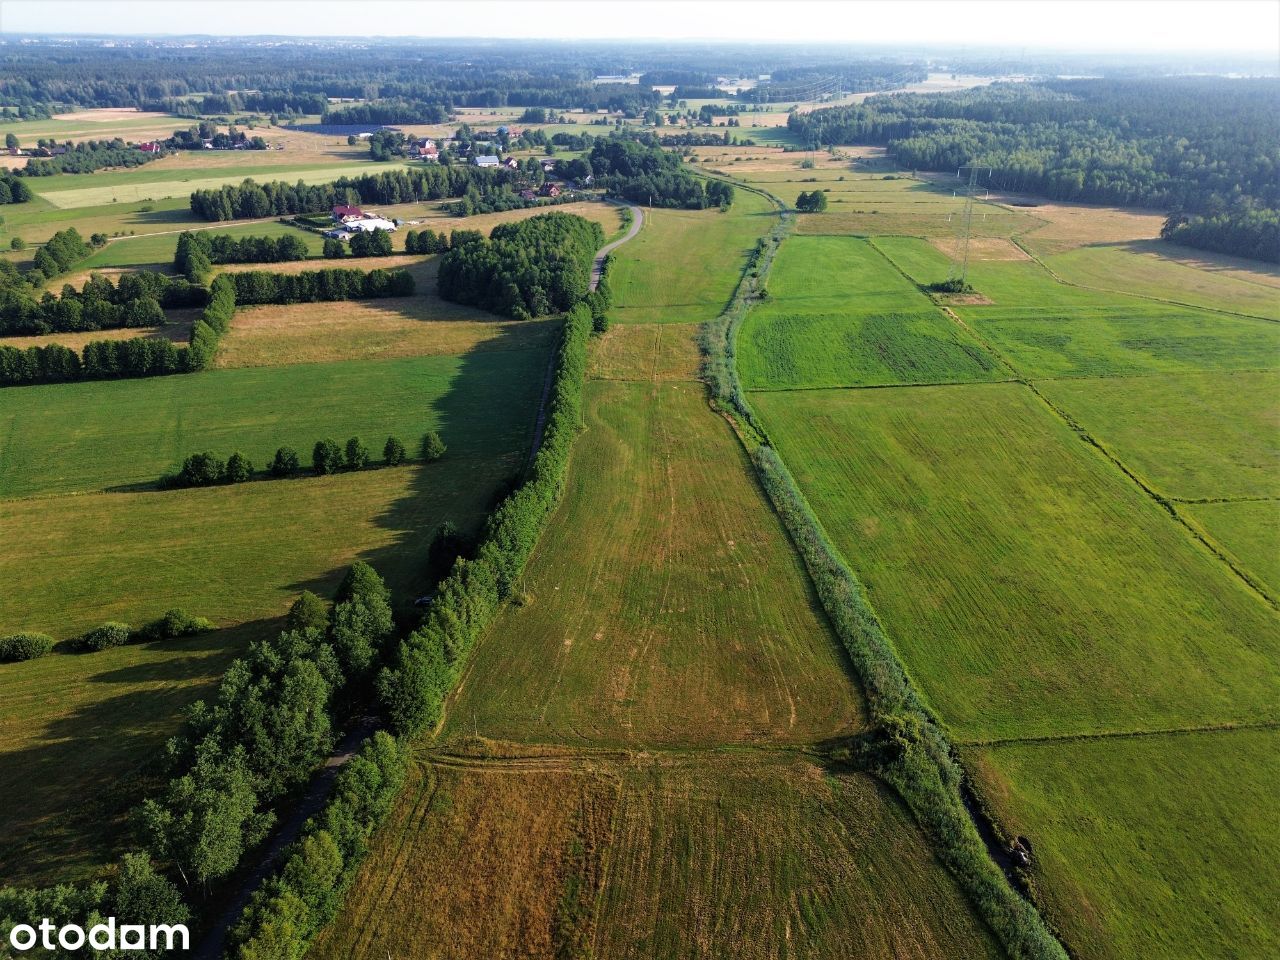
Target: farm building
550	190
344	214
369	224
511	163
484	160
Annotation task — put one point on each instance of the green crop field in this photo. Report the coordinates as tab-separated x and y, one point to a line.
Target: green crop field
1190	436
684	265
839	314
1031	588
90	436
1248	530
1158	847
1140	268
715	637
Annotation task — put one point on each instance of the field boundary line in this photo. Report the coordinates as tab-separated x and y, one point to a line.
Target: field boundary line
1216	728
1191	501
1165	503
880	386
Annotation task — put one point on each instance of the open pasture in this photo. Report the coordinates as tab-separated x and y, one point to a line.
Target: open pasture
1189	436
1158	847
684	264
1031	588
99	124
1249	532
664	605
646	351
89	436
835	274
481	861
1059	227
766	858
156	250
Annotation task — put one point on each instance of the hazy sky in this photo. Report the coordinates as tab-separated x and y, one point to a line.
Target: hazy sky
1064	24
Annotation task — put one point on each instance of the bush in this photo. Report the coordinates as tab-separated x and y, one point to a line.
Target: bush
357	454
24	646
201	470
17	243
110	634
334	249
393	452
326	457
239	469
433	447
285	462
178	623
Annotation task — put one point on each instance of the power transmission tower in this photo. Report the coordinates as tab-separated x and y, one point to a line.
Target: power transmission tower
960	262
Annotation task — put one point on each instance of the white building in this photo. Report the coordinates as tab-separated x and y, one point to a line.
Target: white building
370	224
485	161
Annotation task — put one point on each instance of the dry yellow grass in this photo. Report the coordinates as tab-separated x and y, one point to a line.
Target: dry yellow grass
178	331
982	248
1070	225
646	351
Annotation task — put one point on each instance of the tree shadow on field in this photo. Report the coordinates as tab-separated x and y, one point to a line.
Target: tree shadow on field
71	788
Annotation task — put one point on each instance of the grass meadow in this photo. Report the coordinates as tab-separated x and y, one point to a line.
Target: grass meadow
1159	847
1248	530
1190	436
684	264
1031	588
664	605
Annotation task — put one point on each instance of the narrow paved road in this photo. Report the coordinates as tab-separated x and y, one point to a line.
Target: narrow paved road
637	221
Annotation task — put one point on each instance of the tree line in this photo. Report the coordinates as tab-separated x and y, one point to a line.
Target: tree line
526	269
86	157
639	170
310	286
134	300
1206	149
198	250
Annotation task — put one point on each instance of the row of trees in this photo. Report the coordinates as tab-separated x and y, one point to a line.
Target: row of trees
426	241
277	198
526	269
86	157
13	190
373	243
1201	147
198	250
309	286
135	300
207	469
59	254
98	360
398	110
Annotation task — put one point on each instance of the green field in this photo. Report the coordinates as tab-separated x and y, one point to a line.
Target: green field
839	314
90	436
684	265
1139	268
1190	436
158	248
665	605
1159	847
1248	530
1031	588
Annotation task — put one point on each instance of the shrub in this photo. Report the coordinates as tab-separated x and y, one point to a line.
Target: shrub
433	447
238	469
326	457
334	249
24	646
308	612
110	634
357	454
285	462
175	623
17	243
393	452
201	470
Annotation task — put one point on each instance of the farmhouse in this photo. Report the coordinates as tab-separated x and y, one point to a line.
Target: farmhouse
528	194
345	214
550	190
511	163
485	160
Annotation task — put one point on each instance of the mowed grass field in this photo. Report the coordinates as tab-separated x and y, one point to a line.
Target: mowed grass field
840	314
684	264
1159	847
1190	436
664	605
1248	530
743	855
1030	587
77	735
158	248
91	436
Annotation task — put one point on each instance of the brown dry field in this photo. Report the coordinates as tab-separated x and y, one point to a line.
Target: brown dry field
646	351
422	268
481	861
905	222
177	329
109	114
1237	268
743	161
981	248
1070	225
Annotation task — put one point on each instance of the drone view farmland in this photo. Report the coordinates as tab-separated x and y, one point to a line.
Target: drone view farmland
744	496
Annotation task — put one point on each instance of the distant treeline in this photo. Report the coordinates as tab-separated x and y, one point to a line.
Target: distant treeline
277	198
526	269
388	111
86	157
1207	149
311	286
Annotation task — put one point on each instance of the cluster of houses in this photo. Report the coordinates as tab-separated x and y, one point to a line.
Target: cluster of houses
351	220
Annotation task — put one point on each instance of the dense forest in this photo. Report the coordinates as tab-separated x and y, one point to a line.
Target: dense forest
525	269
1206	149
639	170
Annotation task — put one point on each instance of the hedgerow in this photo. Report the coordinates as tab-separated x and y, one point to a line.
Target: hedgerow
310	286
909	749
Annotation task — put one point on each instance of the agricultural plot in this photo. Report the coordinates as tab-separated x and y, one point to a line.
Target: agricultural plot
481	861
101	124
1031	588
755	858
1190	436
649	351
128	432
839	314
1140	268
156	250
683	266
76	735
664	605
1249	532
1159	847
